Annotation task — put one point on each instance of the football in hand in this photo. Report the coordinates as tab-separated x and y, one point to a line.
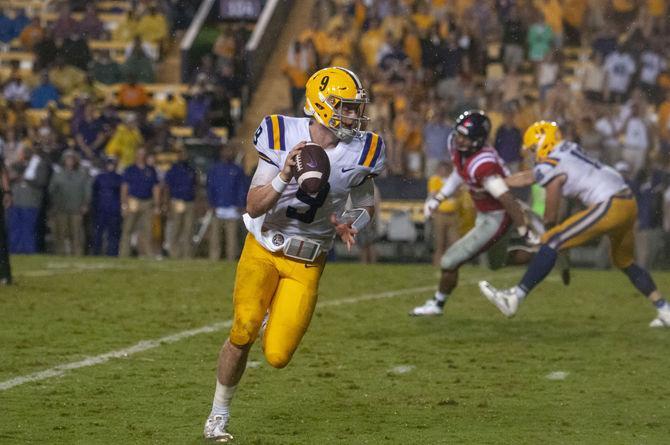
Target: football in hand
312	168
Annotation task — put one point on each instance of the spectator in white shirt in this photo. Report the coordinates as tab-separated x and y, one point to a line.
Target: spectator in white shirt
547	74
619	68
16	90
608	127
592	75
636	140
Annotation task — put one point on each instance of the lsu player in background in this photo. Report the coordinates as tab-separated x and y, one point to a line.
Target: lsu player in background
290	232
483	171
565	170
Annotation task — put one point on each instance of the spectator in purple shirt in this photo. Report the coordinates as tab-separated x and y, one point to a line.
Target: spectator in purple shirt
65	25
90	25
91	135
508	142
435	135
197	108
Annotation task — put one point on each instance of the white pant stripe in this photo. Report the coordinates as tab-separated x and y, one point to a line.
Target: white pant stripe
598	213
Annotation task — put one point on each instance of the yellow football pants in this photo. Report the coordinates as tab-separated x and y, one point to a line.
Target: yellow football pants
614	218
284	286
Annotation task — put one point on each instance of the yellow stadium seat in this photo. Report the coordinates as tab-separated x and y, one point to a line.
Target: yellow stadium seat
415	207
181	132
221	132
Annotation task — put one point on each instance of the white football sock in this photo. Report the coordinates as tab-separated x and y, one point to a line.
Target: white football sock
441	297
222	397
519	292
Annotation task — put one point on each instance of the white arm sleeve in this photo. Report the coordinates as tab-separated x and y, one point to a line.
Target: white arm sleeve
363	195
265	173
495	185
450	186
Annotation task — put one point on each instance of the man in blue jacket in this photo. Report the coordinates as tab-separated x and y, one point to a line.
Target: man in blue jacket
180	183
107	209
140	199
227	187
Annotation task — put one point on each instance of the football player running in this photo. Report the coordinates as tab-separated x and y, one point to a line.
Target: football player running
290	231
483	171
565	170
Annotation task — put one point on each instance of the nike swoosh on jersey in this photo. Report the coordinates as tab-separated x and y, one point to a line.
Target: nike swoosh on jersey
311	265
344	170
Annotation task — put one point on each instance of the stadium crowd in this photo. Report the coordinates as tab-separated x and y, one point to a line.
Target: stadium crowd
597	67
96	155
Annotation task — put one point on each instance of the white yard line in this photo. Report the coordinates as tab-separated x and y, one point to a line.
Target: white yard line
69	268
142	346
145	345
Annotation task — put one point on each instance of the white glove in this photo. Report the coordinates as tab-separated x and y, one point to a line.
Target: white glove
430	206
529	235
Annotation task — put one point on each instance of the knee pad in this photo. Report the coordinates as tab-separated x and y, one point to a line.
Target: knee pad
243	334
277	359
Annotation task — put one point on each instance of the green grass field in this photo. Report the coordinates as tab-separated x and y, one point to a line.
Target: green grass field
366	373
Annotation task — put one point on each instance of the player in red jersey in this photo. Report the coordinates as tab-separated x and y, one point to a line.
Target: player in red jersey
483	171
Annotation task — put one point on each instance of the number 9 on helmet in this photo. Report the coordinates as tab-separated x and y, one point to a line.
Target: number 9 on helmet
336	98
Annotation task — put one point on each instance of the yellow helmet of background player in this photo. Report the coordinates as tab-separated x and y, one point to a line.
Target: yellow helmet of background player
542	137
328	93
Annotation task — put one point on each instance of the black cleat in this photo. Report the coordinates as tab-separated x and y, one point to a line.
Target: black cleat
565	276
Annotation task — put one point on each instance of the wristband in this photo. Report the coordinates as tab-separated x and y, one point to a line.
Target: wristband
278	184
359	218
439	197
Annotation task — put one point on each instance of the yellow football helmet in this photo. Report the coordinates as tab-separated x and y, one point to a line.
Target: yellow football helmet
331	95
542	137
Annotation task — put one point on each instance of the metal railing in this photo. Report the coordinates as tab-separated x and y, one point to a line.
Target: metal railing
264	38
190	36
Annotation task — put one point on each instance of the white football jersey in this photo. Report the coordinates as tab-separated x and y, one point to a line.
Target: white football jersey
297	213
586	179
